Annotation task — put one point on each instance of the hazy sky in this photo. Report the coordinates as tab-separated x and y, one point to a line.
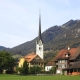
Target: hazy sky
19	18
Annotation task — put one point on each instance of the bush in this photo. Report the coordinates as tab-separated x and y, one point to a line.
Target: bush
53	70
35	70
1	71
23	70
9	72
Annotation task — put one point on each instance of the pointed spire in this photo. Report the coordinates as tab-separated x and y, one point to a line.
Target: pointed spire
39	35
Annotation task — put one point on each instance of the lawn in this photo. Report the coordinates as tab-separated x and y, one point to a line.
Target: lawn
19	77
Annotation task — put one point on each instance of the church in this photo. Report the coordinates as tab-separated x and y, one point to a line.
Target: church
35	59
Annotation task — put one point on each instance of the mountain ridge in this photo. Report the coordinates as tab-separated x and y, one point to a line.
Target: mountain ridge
54	38
3	48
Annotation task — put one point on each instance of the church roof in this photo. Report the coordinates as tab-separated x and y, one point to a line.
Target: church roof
39	34
31	58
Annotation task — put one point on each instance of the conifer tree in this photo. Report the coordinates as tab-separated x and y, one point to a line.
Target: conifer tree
25	68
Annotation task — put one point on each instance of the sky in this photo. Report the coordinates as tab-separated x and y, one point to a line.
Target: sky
19	19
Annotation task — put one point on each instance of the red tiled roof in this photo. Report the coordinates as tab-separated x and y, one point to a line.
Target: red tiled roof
76	53
51	63
61	54
29	57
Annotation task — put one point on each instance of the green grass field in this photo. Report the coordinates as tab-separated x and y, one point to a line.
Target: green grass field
19	77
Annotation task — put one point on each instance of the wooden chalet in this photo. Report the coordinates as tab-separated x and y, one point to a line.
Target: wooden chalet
68	61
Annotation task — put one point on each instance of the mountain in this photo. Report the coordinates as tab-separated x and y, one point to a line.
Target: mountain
70	36
3	48
54	38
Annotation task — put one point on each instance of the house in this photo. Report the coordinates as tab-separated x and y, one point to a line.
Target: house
32	59
49	65
68	60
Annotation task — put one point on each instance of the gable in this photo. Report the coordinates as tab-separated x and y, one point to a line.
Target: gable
78	58
60	54
75	53
37	59
30	57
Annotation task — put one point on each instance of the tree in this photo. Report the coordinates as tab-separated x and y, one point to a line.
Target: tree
53	70
25	68
7	62
35	69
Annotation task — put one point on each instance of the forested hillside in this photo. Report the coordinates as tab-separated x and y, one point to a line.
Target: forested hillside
54	38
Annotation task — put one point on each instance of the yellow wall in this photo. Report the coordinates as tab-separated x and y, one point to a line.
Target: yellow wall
21	61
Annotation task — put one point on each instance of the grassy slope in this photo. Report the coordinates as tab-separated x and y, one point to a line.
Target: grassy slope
16	77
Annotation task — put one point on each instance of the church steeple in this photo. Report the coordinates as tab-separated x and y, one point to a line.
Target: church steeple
39	43
39	34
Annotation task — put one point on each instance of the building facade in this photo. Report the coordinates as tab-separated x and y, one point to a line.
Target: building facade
66	61
49	65
32	59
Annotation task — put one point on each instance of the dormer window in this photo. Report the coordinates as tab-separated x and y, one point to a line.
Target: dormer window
67	54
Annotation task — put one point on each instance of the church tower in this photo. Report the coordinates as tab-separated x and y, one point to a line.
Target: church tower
39	42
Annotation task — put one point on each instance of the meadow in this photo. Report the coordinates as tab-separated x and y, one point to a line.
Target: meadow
19	77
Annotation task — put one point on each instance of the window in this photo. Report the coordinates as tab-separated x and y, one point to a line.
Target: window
59	61
63	61
40	42
40	48
47	68
66	55
63	66
59	66
39	63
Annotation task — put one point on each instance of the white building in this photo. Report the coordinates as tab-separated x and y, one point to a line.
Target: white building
49	65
